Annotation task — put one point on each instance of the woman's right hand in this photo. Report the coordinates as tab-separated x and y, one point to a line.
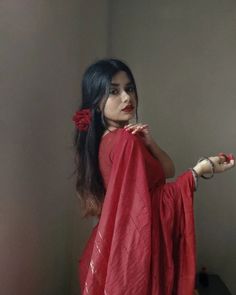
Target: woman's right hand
220	165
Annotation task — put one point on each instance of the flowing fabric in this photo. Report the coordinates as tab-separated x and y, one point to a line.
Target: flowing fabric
144	242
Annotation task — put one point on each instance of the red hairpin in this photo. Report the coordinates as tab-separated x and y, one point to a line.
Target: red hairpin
82	119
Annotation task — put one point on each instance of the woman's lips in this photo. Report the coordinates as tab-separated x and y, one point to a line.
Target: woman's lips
128	109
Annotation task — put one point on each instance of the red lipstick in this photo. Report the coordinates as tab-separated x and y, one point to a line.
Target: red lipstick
128	108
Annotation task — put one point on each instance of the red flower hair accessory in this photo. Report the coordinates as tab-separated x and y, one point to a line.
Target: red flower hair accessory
82	119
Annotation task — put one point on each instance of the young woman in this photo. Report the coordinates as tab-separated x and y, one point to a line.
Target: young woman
144	241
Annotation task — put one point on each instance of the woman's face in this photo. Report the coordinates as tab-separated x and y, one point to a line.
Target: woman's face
120	105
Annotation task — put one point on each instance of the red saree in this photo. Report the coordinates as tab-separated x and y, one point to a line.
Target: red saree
144	243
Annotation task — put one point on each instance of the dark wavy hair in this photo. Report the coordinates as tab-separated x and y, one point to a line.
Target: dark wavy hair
95	88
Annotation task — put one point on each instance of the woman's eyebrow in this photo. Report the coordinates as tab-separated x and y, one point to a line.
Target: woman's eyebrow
117	84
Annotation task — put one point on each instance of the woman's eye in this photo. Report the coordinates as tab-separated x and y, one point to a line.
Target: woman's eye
130	89
114	91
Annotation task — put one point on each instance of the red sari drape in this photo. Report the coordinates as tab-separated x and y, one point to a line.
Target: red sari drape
144	242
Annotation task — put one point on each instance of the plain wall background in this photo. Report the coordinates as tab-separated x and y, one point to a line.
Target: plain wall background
44	48
183	57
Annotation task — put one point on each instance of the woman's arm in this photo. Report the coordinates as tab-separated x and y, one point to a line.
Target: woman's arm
156	151
163	157
217	164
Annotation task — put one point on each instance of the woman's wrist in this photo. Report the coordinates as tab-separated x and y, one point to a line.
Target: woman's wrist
204	166
207	167
150	142
201	167
198	169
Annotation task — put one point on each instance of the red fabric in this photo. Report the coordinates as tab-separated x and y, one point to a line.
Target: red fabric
144	242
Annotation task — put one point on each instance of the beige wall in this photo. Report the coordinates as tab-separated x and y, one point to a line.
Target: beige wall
44	48
183	56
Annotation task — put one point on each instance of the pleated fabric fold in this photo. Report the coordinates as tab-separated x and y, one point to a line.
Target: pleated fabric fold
144	242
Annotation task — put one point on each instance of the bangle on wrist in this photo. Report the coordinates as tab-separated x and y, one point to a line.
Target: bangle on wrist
212	167
194	172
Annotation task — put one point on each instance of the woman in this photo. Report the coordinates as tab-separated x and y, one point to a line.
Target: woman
144	241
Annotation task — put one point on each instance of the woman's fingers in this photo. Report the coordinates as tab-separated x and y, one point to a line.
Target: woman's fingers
226	166
226	157
230	164
135	127
220	164
222	159
130	126
127	126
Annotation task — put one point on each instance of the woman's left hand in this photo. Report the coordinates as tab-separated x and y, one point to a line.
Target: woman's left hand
219	164
142	129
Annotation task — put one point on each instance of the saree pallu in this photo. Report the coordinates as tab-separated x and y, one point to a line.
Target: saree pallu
144	242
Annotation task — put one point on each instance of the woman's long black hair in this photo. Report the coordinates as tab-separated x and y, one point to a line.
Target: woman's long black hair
95	88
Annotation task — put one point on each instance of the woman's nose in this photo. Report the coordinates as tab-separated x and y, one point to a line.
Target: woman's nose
125	96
